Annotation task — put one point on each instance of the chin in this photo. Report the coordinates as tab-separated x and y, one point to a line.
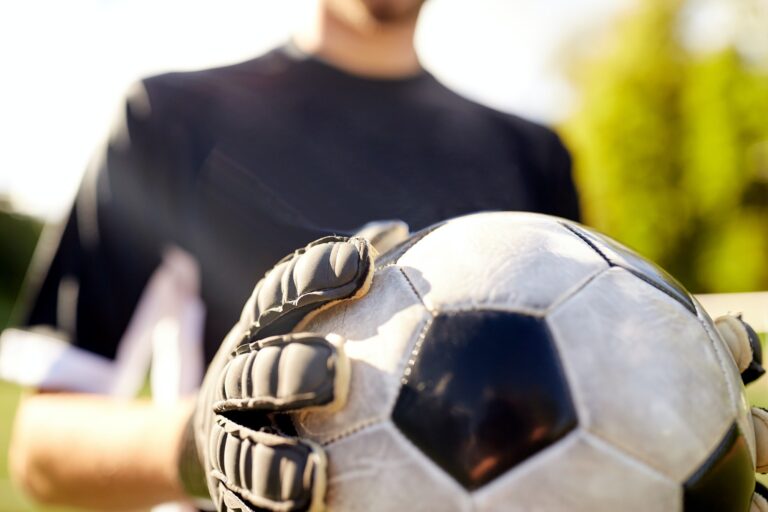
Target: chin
391	11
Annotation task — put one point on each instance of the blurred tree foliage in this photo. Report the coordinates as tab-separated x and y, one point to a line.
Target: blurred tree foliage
671	151
18	236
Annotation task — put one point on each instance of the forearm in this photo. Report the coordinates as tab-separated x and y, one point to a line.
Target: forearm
91	451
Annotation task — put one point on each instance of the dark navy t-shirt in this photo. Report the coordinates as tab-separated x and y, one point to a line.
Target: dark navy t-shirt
242	164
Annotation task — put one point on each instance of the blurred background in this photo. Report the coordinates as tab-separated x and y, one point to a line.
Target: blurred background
663	103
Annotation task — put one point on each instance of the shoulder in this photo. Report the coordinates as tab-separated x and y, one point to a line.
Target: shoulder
207	82
193	96
529	136
537	140
543	159
537	144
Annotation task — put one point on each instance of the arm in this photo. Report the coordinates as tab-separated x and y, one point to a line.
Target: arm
124	456
82	449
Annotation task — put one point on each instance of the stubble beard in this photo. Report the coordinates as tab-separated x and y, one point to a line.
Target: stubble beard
387	12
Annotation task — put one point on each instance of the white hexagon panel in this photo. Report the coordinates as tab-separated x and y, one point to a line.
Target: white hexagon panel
634	357
518	262
580	474
378	469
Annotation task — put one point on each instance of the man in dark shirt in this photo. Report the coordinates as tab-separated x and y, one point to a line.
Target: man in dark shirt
210	177
240	165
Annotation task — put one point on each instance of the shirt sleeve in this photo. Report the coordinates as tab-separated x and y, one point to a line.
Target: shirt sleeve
547	169
560	196
88	274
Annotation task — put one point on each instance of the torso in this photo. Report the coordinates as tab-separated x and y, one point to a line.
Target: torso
297	150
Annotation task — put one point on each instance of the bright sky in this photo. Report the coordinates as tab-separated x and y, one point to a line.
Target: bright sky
65	65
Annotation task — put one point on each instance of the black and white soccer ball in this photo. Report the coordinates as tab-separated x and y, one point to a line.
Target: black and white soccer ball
520	362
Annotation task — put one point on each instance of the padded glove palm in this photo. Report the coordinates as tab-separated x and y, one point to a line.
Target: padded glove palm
238	451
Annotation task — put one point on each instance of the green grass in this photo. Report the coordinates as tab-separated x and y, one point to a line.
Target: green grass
11	500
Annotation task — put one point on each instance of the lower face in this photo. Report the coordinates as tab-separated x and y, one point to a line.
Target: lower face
382	11
393	10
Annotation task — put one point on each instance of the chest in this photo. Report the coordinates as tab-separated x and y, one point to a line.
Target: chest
294	173
339	165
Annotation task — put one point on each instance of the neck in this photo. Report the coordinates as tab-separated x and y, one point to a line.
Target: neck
361	45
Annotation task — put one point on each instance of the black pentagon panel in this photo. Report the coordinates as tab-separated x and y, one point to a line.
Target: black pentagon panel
486	391
726	480
618	255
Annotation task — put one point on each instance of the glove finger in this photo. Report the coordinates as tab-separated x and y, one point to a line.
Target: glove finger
760	423
286	372
327	270
265	471
384	234
759	503
228	501
744	345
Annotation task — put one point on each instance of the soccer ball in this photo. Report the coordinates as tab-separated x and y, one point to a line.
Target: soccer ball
520	362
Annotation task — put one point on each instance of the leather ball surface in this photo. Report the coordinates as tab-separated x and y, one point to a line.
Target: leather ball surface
520	362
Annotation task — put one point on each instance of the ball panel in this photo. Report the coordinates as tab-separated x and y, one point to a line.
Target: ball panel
518	261
647	357
484	392
726	480
580	474
380	330
393	255
621	256
378	470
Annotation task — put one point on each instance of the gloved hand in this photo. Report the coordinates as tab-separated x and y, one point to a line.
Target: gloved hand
744	345
237	450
